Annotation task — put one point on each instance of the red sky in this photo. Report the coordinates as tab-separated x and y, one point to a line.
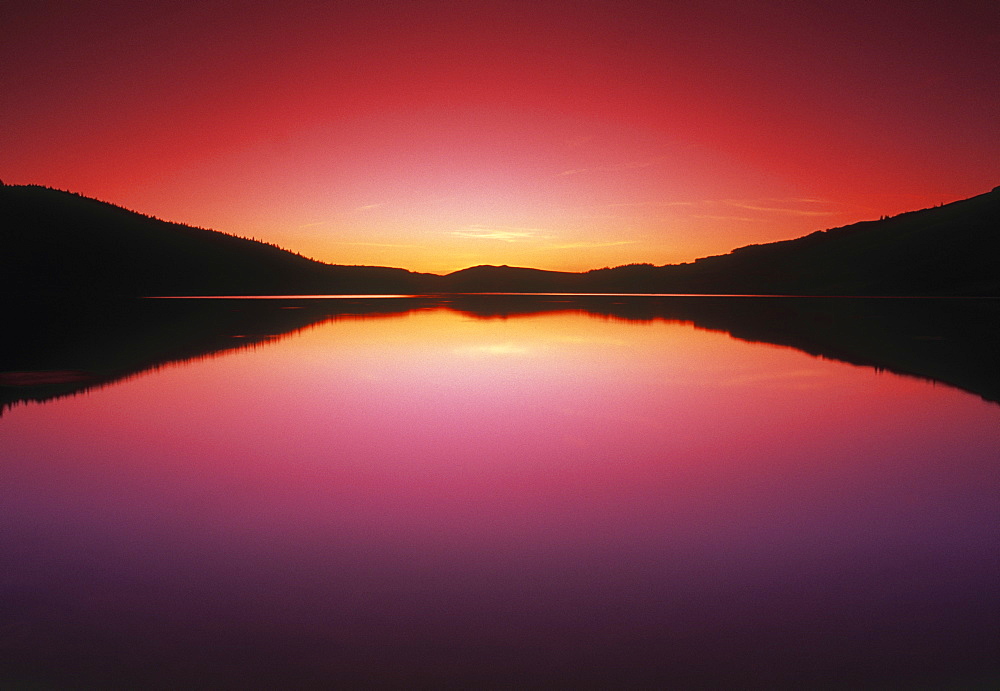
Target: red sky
561	135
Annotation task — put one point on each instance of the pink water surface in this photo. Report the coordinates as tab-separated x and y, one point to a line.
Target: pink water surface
434	498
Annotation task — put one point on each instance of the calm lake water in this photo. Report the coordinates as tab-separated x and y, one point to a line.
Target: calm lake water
549	491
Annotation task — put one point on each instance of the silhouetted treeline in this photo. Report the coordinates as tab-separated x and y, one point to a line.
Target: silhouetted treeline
952	249
61	243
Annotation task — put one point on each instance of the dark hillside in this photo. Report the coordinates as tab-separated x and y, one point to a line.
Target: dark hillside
58	242
511	279
61	243
948	250
951	250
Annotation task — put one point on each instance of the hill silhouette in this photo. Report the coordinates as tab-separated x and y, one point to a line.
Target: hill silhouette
511	279
953	249
61	243
950	250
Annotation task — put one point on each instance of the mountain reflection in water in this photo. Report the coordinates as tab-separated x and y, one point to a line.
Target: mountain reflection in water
63	348
485	491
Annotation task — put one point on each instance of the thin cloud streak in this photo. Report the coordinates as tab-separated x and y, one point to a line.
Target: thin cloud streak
630	205
711	217
709	204
631	165
589	245
376	244
751	206
504	233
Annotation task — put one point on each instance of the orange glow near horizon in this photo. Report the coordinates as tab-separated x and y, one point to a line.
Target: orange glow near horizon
568	136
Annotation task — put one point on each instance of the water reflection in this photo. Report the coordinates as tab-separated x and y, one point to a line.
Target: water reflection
543	492
61	349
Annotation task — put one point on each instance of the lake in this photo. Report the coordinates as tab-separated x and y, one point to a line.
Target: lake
512	491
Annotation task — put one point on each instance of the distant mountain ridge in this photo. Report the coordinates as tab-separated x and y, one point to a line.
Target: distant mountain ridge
949	250
59	242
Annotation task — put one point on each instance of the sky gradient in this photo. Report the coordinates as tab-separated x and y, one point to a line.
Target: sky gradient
561	135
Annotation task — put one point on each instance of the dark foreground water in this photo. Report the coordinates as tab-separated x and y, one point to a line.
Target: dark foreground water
485	492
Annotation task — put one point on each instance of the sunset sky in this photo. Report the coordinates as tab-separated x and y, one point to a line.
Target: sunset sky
560	135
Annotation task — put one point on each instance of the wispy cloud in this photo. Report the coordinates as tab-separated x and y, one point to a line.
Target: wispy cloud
377	244
712	217
714	209
504	233
313	225
368	207
635	205
588	245
760	206
614	167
